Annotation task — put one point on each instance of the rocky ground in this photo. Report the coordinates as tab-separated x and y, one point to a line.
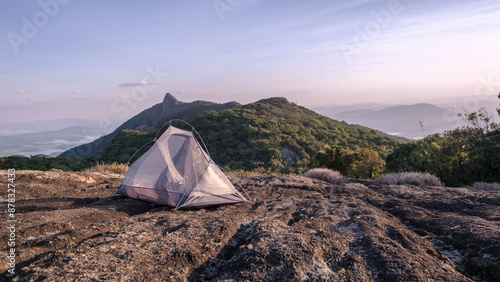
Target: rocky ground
72	227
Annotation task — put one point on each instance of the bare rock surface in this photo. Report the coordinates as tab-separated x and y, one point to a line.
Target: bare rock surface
72	227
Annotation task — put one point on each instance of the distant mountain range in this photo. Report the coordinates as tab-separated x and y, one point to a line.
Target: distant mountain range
410	121
436	115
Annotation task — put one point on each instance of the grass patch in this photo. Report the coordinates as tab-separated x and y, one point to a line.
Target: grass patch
108	168
411	178
484	186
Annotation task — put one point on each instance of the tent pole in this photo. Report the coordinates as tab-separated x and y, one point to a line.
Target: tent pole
253	201
128	162
192	128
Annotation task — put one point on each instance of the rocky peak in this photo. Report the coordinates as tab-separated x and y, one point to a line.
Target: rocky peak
169	101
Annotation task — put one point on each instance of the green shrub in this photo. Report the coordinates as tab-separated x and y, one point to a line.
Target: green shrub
361	163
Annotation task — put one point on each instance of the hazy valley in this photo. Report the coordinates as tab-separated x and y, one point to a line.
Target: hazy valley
49	138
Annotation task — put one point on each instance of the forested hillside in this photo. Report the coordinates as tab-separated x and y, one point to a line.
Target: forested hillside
271	135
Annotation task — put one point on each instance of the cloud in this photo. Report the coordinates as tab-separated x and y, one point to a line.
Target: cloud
140	83
75	92
21	92
30	100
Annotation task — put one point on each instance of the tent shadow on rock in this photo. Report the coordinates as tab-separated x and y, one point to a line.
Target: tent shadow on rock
176	171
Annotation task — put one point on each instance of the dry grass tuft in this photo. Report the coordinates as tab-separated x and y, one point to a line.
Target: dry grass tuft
411	178
323	174
484	186
108	168
258	172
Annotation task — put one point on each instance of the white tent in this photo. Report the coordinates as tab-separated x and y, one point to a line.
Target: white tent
176	171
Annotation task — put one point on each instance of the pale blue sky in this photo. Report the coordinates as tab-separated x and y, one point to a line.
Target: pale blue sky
93	59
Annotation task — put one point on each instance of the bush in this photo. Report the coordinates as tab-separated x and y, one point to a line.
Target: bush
365	163
411	178
323	174
56	170
484	186
361	163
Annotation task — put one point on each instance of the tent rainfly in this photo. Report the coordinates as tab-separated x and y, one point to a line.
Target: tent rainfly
176	171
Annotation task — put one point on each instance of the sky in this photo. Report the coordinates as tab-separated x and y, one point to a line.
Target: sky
112	59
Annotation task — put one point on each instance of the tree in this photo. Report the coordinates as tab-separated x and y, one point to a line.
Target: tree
459	156
362	163
485	155
498	110
365	163
482	121
333	158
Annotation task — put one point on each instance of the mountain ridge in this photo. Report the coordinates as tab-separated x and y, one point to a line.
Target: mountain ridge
406	120
272	134
154	116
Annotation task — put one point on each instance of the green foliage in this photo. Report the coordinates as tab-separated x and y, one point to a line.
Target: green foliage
123	146
360	163
44	164
481	120
445	155
252	137
365	163
485	155
458	157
